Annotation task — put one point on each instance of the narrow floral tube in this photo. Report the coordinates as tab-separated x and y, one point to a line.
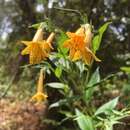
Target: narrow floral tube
40	82
51	37
38	35
40	95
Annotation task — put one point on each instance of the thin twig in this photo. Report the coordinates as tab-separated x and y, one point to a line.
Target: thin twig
8	87
69	10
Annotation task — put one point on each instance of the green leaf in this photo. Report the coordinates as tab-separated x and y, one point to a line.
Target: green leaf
126	69
47	24
58	103
37	25
84	122
109	126
67	113
84	18
60	41
57	85
81	66
109	106
95	78
97	39
58	71
88	94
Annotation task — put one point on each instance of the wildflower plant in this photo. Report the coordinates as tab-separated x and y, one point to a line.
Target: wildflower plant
71	63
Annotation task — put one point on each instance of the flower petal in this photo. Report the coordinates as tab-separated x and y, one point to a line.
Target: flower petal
72	53
67	44
26	42
70	34
26	51
93	55
39	97
77	56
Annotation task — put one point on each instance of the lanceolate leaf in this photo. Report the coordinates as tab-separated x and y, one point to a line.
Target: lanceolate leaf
37	25
57	85
58	103
84	121
97	39
95	78
109	106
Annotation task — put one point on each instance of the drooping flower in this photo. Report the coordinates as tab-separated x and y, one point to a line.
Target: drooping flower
38	49
79	45
40	95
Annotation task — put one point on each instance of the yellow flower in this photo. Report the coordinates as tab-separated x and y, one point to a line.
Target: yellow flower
38	49
79	44
40	95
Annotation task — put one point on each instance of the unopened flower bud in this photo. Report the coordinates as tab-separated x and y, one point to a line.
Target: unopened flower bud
88	34
38	35
51	37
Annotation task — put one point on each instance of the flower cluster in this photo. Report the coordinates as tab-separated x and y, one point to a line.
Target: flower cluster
38	49
78	43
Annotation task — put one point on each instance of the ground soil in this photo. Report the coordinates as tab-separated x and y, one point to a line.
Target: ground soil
21	115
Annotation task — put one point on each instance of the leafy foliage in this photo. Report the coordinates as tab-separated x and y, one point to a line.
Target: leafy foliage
84	122
107	107
97	39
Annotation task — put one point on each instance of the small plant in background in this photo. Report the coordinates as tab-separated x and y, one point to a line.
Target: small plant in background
72	64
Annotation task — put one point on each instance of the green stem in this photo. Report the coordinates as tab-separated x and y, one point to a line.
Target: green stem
9	86
88	75
69	10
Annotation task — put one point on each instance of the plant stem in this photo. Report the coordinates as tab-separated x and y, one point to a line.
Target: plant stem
8	87
88	75
69	10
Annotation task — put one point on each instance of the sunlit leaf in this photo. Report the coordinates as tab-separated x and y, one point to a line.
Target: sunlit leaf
58	103
58	71
81	66
84	121
57	85
109	106
109	126
97	39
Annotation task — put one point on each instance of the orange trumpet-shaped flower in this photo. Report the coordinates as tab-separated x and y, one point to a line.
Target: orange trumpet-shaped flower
38	49
40	95
79	45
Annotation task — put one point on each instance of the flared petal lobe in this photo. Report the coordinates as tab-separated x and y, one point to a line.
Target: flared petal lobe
39	97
